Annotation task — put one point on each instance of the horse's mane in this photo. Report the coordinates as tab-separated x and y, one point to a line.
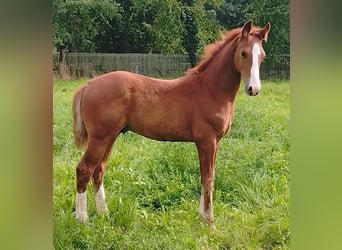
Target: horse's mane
212	49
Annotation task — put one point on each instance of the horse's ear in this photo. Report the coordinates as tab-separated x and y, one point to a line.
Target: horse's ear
264	32
246	28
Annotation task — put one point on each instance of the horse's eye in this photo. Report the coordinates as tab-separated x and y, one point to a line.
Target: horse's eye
244	54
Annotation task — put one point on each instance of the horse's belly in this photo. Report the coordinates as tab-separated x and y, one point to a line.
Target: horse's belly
161	129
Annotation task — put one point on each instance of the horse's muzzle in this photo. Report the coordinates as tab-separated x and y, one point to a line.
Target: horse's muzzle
252	91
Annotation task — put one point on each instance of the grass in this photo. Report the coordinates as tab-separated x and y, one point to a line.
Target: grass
153	189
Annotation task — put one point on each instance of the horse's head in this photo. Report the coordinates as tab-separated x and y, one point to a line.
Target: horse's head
248	55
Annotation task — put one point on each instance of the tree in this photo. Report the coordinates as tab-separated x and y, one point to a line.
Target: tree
129	31
76	24
206	19
167	27
190	37
230	13
180	26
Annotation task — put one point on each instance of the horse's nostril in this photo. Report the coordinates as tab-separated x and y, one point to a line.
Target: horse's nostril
250	90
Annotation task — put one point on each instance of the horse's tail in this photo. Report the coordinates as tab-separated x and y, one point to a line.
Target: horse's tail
80	132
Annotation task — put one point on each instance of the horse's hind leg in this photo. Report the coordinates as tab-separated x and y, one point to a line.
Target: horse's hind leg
98	187
92	157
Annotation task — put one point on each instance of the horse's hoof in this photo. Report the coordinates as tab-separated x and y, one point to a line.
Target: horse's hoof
82	217
103	212
209	221
102	209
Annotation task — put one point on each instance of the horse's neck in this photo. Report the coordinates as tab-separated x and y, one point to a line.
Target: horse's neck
221	75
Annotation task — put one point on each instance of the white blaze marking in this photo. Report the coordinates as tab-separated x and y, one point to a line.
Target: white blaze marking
81	206
100	200
254	78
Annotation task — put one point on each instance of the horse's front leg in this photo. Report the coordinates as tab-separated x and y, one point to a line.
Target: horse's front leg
207	153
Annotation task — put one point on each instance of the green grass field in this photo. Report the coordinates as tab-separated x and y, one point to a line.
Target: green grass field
153	188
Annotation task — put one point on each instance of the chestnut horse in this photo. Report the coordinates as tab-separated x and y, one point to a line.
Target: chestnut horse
197	107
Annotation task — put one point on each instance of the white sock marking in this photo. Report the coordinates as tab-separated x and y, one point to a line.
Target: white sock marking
207	214
81	206
201	210
100	200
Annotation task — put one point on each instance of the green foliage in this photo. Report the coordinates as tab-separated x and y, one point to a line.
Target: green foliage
167	27
153	188
190	38
129	30
76	23
230	14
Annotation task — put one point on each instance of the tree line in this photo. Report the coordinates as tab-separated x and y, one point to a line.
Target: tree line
163	26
